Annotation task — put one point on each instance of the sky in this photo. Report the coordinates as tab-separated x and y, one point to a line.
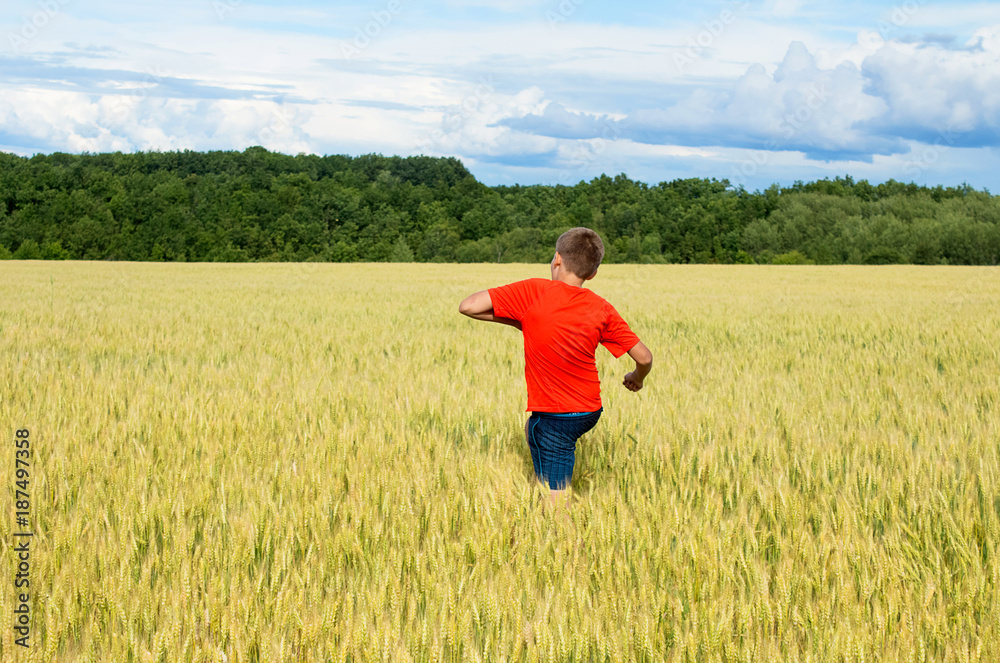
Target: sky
526	92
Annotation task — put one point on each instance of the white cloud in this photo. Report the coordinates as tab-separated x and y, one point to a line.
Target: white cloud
81	123
799	107
902	92
930	89
472	128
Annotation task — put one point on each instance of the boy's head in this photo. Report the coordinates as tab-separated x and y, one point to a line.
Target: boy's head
582	251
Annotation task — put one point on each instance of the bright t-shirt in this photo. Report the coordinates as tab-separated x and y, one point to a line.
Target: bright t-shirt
562	326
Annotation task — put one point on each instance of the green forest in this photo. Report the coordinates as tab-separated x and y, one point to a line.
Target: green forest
258	205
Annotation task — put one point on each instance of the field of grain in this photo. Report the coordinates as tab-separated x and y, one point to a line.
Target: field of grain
324	462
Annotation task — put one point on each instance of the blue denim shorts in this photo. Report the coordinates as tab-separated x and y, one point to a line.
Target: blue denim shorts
552	439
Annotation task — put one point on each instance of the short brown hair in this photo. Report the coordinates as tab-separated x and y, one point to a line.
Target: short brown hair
582	251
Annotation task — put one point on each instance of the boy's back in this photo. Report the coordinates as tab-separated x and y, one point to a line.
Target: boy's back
562	326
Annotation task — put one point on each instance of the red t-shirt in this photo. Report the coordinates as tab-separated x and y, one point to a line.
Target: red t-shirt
562	325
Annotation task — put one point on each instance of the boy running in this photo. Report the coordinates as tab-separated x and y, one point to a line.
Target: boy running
562	323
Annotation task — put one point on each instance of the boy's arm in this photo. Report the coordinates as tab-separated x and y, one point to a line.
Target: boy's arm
643	365
479	306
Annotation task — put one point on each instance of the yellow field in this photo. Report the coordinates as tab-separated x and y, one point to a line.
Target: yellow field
326	462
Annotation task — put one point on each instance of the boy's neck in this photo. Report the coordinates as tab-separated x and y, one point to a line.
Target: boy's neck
560	273
567	277
571	279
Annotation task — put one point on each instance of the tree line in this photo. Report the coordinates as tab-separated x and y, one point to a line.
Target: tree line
258	205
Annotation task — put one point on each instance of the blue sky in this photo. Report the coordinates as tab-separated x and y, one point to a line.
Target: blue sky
523	91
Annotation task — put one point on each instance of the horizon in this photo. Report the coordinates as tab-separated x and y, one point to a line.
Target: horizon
647	183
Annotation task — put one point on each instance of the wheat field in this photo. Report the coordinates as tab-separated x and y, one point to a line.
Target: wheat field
325	462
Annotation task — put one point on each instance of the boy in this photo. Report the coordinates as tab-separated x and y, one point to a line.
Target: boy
562	323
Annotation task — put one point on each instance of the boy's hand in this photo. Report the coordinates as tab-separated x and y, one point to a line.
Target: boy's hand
632	382
643	365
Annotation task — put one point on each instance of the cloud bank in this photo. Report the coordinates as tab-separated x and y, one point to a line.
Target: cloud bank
757	92
903	92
